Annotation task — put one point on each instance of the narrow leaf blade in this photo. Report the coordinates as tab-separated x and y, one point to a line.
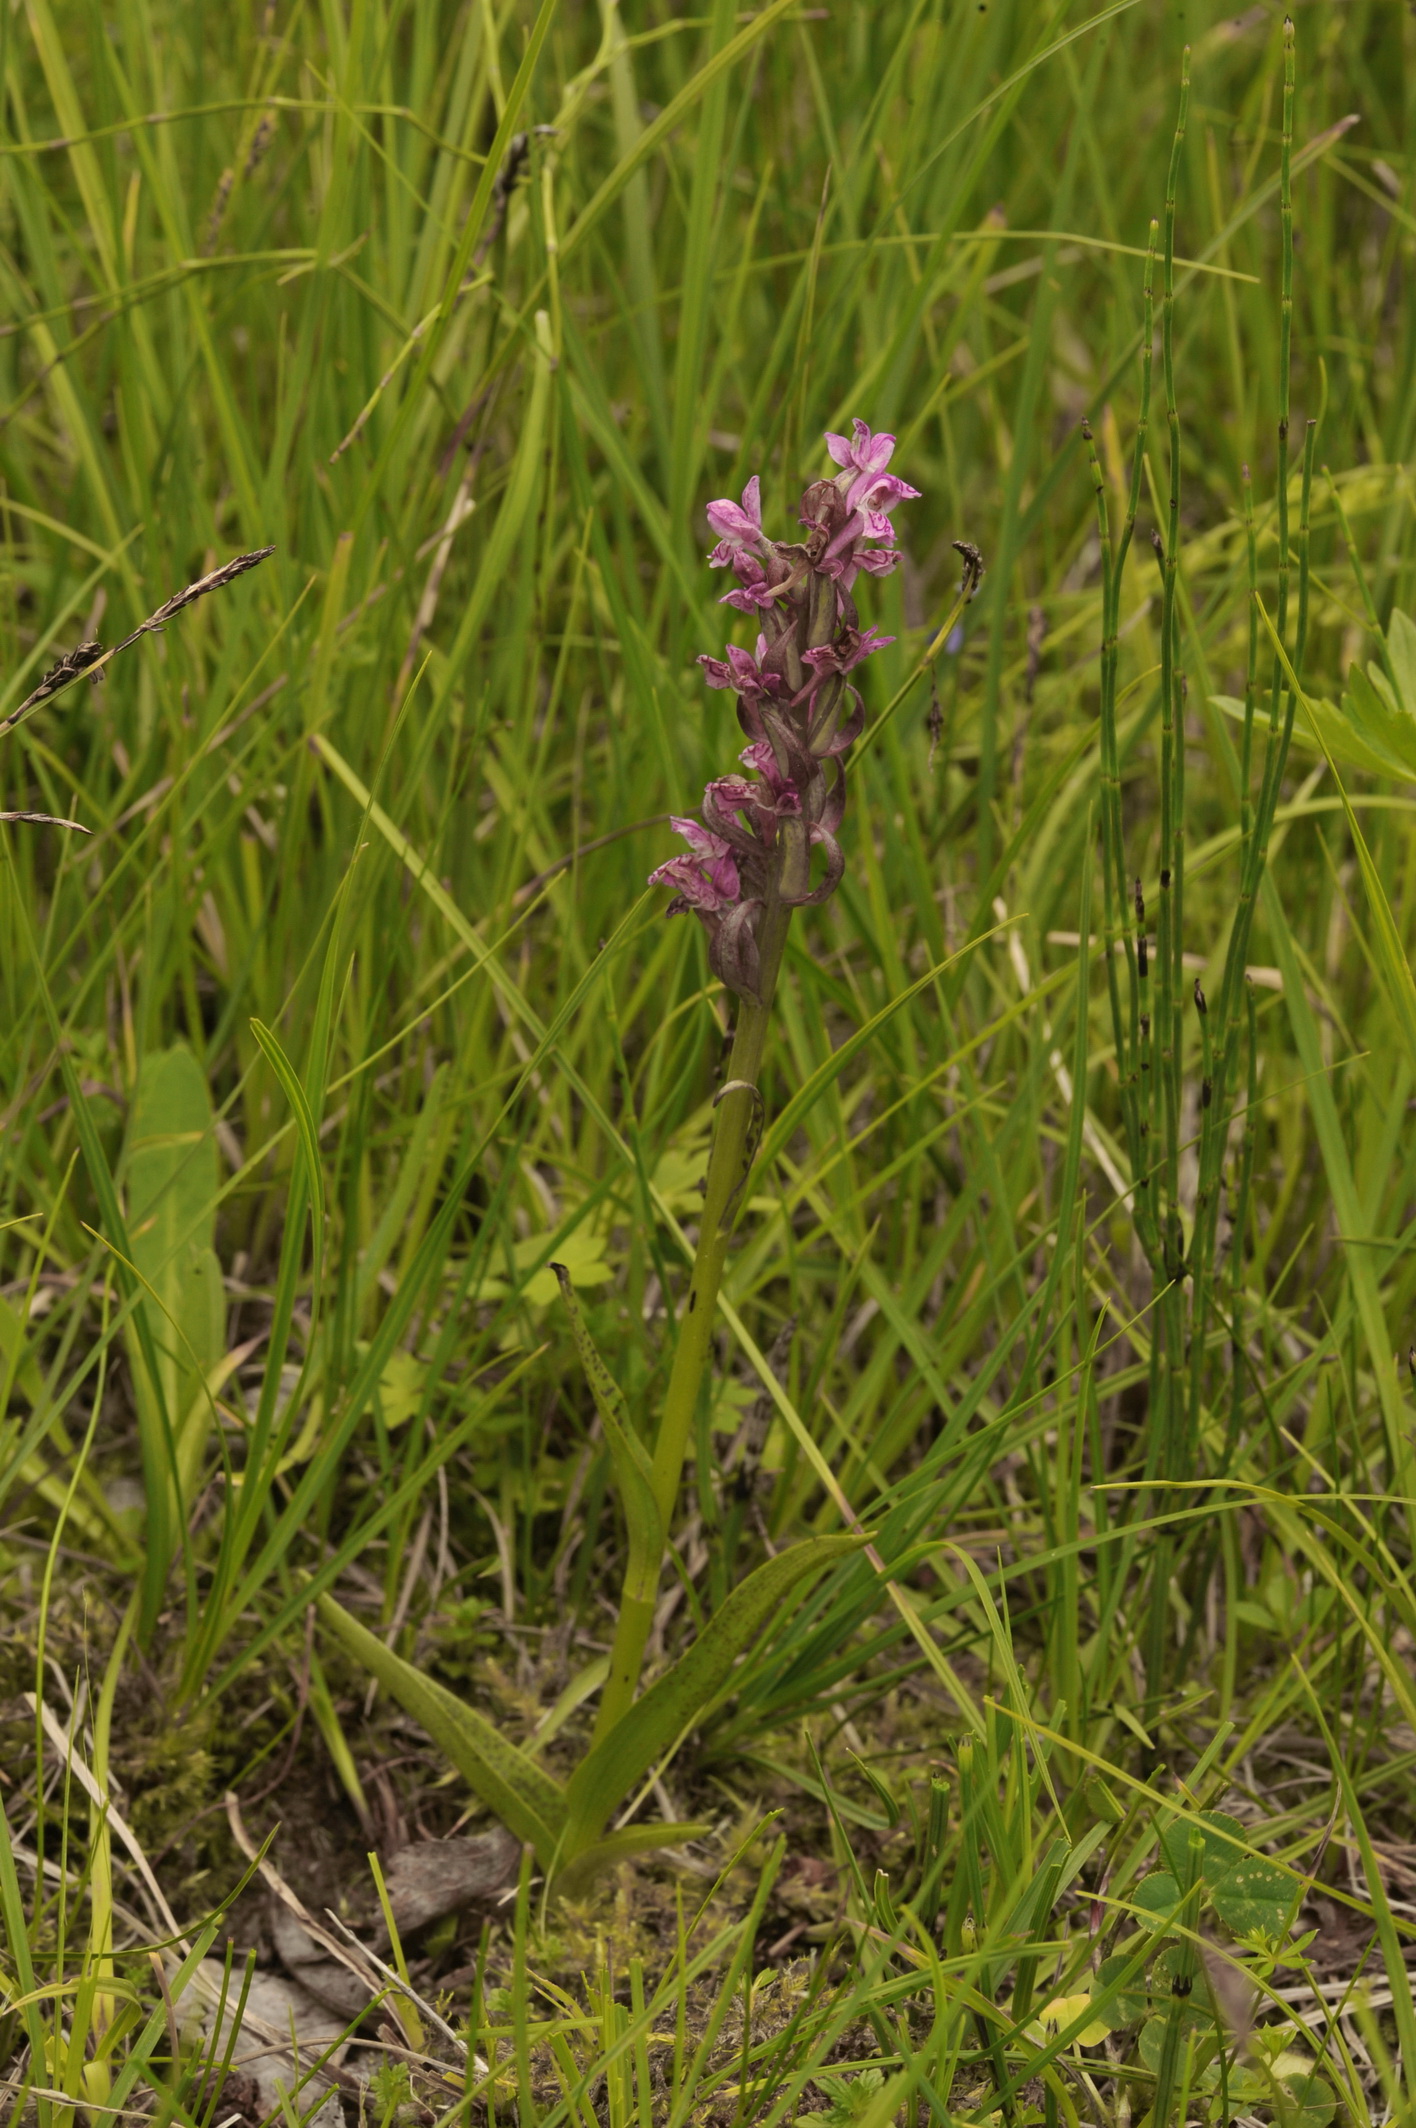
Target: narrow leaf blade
621	1846
295	1094
633	1469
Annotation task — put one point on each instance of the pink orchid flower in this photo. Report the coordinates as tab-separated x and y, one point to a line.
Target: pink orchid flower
850	649
867	457
755	593
708	878
738	528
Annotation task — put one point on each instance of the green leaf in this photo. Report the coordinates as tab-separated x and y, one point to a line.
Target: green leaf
1254	1898
407	1201
634	1469
400	1390
1194	2024
1401	650
1064	2010
619	1847
581	1253
16	1352
1155	1899
1375	729
1381	723
882	1790
1347	1206
172	1181
1314	2100
853	2096
1387	950
607	1775
528	1802
1221	1852
1129	2005
295	1094
1369	732
1248	2088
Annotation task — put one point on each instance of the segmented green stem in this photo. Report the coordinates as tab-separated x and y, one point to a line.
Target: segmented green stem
1169	1410
1251	680
1150	1048
1114	929
1169	942
1131	1031
1239	1233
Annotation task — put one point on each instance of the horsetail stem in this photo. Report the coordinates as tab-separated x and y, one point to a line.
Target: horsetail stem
1150	1038
1251	678
1169	927
1282	706
1239	1230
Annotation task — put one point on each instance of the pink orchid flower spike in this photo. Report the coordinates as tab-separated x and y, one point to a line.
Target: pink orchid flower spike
761	837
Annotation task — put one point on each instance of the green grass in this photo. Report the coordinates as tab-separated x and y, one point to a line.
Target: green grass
468	311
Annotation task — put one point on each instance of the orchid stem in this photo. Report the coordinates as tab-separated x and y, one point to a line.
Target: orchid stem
736	1130
749	864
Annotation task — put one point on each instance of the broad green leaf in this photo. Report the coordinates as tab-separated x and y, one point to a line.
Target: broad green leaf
172	1181
1062	2011
1386	725
1248	2088
1129	2005
1155	1899
529	1803
1376	724
1221	1852
1195	2024
1346	1201
607	1775
582	1253
1313	2100
1254	1898
1387	950
401	1388
634	1470
20	1459
679	1173
1175	1959
16	1352
1365	733
732	1401
1375	729
620	1846
1401	650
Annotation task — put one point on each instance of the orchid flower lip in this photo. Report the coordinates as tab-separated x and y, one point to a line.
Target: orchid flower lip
741	671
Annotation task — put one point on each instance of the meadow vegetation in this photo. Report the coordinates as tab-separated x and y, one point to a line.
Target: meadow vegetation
357	1094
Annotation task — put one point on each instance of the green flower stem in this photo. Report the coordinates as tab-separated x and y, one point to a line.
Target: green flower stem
735	1133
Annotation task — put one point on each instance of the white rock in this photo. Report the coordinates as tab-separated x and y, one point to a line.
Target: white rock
283	2032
